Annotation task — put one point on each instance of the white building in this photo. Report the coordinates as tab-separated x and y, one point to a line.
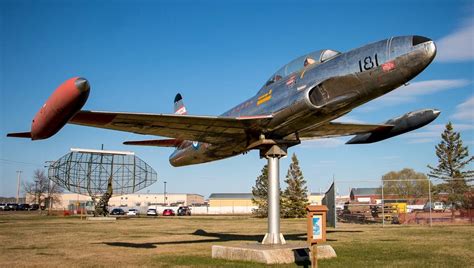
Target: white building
69	200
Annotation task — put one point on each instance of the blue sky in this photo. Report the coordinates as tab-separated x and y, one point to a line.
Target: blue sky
138	54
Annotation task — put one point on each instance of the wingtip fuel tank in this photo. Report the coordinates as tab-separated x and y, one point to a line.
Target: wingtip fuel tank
61	106
405	123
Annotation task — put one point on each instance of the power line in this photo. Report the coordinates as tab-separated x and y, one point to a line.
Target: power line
18	162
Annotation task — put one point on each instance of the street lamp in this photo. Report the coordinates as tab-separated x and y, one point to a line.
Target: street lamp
18	187
164	194
36	192
50	187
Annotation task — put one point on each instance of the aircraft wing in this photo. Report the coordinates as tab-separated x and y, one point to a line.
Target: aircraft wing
210	129
336	129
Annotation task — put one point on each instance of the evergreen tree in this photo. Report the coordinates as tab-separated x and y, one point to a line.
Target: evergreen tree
295	196
260	194
452	159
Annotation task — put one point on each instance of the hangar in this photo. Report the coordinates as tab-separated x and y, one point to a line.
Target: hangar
245	199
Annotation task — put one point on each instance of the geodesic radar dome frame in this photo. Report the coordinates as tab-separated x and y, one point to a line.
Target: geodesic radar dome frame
87	172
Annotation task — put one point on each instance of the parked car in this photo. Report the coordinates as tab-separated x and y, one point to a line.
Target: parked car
12	206
151	212
435	207
117	211
34	207
3	206
24	207
168	212
184	211
132	212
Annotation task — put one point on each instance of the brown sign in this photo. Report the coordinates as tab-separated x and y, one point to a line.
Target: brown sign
316	224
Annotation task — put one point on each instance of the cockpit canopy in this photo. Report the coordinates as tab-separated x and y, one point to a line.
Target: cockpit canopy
315	57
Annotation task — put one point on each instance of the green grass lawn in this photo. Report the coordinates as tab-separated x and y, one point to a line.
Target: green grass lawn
32	240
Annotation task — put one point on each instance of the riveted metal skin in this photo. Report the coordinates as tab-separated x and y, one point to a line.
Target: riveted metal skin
322	92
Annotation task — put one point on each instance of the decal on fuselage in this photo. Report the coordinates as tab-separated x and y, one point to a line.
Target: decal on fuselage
388	66
368	63
181	110
265	97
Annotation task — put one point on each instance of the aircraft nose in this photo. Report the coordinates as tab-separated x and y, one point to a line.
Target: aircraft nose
426	44
430	48
416	40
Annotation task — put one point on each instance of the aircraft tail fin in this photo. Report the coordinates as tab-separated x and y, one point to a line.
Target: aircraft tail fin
179	107
158	143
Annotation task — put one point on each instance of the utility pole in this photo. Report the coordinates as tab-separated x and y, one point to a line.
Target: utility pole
18	186
165	200
50	188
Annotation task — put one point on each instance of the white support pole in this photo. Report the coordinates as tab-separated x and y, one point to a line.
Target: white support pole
273	236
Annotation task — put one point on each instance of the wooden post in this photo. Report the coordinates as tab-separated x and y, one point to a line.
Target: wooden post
314	255
470	214
316	230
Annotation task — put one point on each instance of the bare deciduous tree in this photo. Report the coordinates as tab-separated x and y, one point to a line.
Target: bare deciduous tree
43	191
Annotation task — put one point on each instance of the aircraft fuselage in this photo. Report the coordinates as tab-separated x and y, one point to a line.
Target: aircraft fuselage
299	100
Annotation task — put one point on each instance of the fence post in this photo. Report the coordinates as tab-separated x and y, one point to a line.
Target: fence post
383	208
429	198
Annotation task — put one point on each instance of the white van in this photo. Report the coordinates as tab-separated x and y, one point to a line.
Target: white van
438	207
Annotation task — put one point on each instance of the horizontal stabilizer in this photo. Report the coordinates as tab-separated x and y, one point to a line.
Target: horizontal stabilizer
20	135
158	143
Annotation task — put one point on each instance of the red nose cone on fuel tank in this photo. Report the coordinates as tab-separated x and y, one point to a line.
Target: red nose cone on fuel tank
61	106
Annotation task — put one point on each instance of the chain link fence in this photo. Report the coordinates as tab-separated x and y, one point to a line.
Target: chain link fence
397	202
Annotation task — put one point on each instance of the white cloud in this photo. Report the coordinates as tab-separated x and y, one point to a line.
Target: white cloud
414	90
409	93
457	127
349	119
323	143
465	110
391	157
457	46
325	162
427	140
432	133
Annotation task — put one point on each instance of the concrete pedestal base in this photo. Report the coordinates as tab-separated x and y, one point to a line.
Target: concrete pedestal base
271	239
101	219
271	254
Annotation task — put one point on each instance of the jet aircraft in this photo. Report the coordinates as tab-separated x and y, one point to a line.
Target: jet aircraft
300	101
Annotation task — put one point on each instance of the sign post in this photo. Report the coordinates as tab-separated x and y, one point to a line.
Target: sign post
316	230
